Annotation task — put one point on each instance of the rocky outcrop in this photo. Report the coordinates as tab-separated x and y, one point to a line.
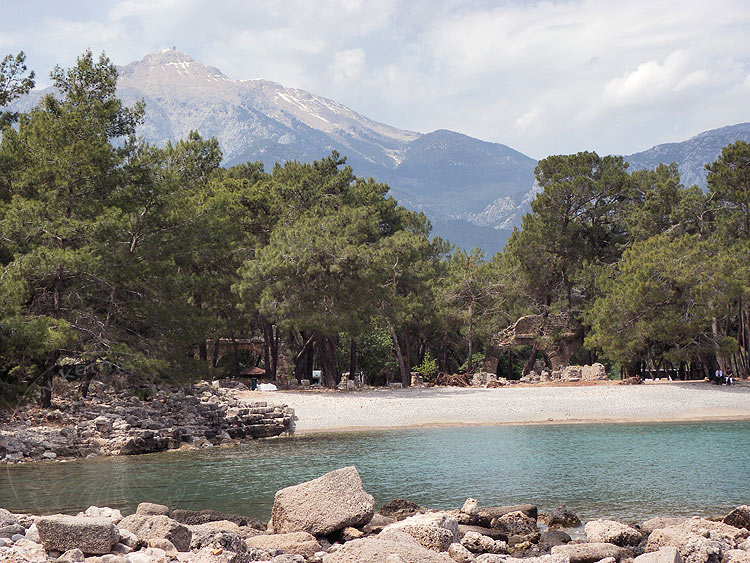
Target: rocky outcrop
698	540
739	517
112	423
324	505
93	536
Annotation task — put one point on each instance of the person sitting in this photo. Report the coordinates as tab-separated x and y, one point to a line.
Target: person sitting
729	380
719	376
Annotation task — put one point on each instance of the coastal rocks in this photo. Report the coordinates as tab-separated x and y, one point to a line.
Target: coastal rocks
739	517
563	516
698	540
387	544
589	552
399	509
94	536
485	516
117	423
300	543
158	527
151	509
478	543
194	517
434	530
610	531
516	523
7	518
324	505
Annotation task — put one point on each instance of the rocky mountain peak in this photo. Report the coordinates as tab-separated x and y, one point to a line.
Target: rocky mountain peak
168	69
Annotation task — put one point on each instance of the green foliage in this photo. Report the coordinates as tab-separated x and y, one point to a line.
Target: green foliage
13	84
428	368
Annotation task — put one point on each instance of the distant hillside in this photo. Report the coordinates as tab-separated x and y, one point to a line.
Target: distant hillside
692	155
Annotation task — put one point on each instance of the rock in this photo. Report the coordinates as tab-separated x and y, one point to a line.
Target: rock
32	533
399	509
195	517
433	530
470	507
611	531
158	527
377	550
492	558
94	536
103	512
656	523
514	523
563	516
736	556
121	549
664	555
301	543
378	522
7	518
588	552
165	545
129	539
593	372
551	538
477	543
739	517
11	530
494	534
460	554
72	556
698	540
349	534
324	505
486	515
151	509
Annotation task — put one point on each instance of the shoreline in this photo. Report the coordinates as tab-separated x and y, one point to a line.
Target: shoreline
326	411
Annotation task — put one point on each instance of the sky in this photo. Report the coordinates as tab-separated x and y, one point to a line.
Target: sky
553	77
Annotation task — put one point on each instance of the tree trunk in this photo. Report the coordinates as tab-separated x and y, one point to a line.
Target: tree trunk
470	339
532	359
405	377
352	358
327	353
45	398
407	348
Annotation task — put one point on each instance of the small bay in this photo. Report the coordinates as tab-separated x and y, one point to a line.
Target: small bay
623	471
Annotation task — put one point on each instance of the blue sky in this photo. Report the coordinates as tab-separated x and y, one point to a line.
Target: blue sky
543	77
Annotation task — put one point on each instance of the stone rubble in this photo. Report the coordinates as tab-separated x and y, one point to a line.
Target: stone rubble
112	423
342	527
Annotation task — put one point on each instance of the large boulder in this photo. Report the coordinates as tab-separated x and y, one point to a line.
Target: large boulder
324	505
611	531
93	536
739	517
515	524
563	516
158	527
588	552
300	543
389	544
433	530
697	539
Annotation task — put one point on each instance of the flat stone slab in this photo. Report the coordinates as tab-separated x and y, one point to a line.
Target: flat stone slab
93	536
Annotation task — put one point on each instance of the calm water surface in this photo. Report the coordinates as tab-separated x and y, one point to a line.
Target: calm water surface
625	471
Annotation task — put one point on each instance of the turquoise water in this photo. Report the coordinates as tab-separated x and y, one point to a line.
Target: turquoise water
624	471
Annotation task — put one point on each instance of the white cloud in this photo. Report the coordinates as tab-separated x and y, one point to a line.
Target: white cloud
541	76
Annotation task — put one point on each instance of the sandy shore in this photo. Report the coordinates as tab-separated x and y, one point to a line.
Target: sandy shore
320	410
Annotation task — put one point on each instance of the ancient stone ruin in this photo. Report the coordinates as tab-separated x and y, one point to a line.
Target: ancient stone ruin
555	336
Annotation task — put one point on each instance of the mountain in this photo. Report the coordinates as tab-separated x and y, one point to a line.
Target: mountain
451	177
692	155
474	192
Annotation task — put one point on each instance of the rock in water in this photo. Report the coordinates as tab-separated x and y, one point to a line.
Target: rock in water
564	517
324	505
93	536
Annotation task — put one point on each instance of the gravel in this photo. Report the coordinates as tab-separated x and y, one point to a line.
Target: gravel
390	408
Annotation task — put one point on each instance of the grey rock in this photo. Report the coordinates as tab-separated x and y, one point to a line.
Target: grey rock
155	527
400	508
151	509
485	515
72	556
494	534
477	543
589	552
563	516
515	523
93	536
460	554
324	505
11	530
7	518
551	538
433	530
657	523
301	543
